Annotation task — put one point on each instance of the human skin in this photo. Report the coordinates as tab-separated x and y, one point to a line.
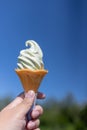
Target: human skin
13	116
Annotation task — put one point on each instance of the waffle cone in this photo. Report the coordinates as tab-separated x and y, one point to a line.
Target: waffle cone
31	79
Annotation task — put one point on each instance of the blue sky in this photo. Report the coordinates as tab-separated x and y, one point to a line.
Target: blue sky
60	28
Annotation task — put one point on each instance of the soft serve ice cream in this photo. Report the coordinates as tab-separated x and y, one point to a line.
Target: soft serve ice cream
31	58
30	66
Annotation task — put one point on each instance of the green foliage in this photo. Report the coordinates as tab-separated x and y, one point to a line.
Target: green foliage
64	115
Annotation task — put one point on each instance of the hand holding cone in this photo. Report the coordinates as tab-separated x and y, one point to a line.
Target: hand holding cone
31	68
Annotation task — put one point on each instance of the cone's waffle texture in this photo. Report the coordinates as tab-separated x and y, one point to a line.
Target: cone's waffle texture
31	79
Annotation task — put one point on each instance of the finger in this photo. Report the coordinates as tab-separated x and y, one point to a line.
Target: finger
26	104
37	111
33	124
40	95
16	101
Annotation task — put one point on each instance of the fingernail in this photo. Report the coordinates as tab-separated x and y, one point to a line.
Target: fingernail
30	94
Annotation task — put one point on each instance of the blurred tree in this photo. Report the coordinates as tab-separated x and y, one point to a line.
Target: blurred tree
83	116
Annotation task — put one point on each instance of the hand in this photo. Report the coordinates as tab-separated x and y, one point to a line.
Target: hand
13	116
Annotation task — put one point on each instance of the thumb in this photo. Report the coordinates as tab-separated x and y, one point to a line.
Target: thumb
23	108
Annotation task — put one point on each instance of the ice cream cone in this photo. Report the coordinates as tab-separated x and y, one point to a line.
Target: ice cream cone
31	79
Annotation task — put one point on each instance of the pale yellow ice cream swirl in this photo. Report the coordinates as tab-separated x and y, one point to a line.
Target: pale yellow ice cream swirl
31	58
